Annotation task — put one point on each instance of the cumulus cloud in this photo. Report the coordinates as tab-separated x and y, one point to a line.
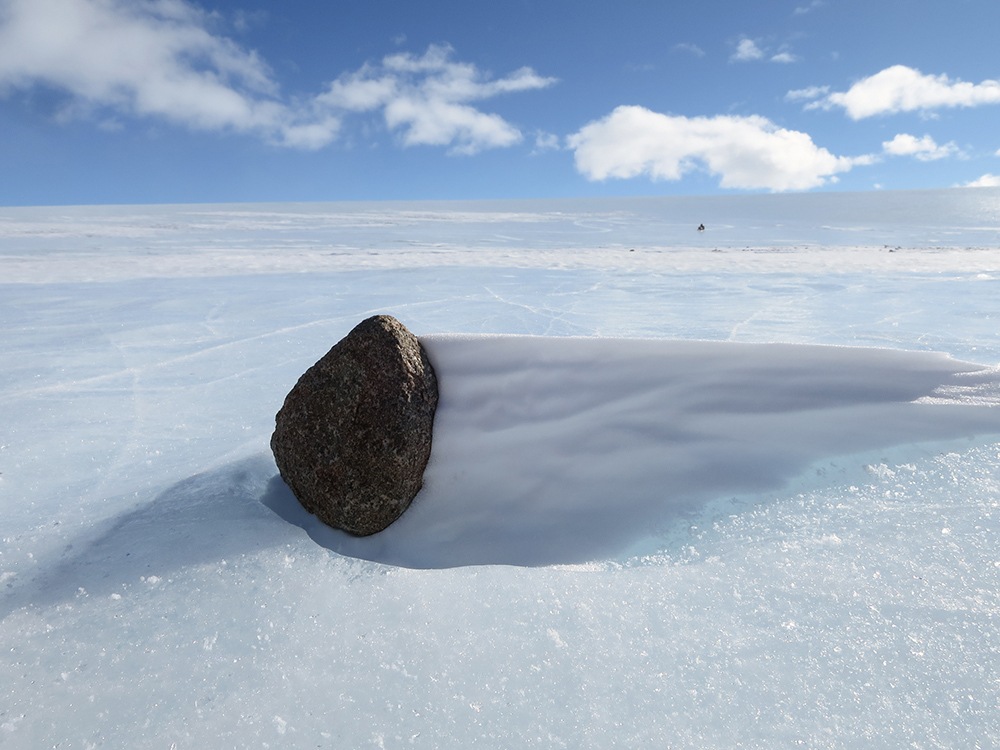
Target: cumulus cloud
987	180
746	51
784	57
903	89
924	149
426	99
159	58
746	152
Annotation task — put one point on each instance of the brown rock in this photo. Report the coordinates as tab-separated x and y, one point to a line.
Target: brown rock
354	435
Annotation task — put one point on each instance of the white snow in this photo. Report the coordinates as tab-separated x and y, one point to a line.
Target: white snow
736	542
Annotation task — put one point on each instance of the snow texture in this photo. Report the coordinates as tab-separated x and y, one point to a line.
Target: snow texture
800	547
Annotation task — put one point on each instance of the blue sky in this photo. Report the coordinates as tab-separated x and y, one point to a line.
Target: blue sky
168	101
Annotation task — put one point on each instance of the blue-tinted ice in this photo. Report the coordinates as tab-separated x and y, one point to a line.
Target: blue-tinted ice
152	600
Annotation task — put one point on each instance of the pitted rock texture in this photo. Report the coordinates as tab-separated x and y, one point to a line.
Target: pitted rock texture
354	435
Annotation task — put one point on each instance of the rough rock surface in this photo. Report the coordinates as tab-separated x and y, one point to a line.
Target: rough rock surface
354	435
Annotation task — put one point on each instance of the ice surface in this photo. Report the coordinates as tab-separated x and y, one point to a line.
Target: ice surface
152	599
954	229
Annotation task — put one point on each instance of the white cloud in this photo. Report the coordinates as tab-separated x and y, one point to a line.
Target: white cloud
903	89
148	58
158	58
987	180
807	94
784	57
997	152
694	49
426	99
924	149
746	152
746	51
360	91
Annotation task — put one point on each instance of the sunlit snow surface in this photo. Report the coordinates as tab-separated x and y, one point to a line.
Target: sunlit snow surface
804	587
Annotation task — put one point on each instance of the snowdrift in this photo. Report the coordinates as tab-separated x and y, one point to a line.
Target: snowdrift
563	450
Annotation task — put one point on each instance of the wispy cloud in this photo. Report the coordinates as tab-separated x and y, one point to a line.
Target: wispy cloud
784	57
244	21
746	51
159	58
807	94
987	180
803	9
903	89
924	149
745	152
546	142
693	49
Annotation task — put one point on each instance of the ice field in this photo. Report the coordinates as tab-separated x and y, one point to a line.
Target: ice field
713	538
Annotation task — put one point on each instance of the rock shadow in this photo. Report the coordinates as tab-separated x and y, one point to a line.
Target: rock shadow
202	519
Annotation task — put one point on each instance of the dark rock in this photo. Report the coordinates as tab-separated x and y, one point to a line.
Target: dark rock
354	435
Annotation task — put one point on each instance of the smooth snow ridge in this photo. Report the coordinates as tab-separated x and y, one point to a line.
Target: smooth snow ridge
566	450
